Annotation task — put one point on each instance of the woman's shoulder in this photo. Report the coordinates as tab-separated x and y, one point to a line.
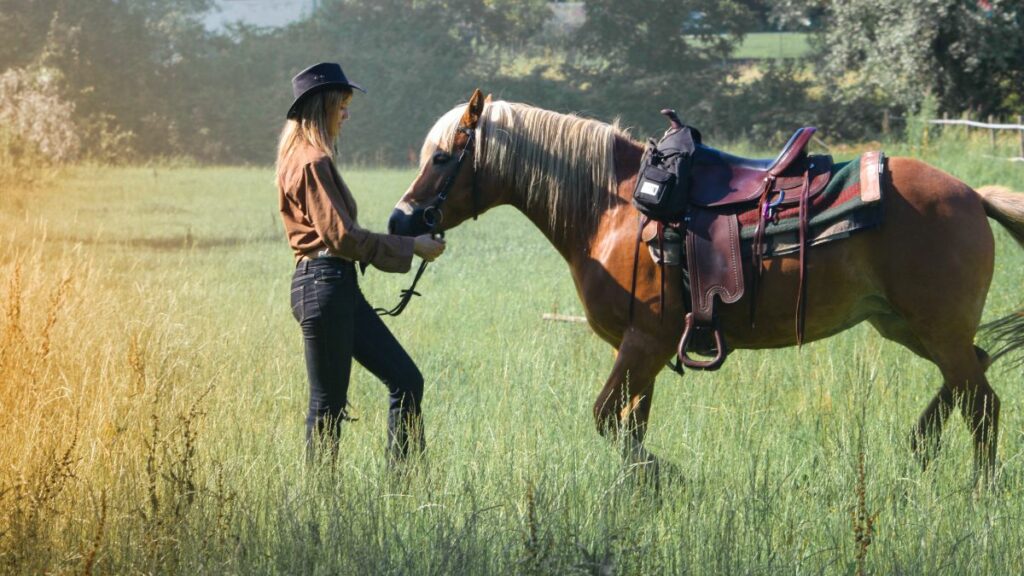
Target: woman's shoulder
299	161
306	154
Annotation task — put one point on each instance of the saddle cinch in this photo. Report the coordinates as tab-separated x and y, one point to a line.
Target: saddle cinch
700	192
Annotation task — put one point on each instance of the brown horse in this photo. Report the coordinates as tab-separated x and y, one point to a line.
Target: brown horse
920	278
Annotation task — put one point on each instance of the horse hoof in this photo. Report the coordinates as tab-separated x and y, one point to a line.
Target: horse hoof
654	473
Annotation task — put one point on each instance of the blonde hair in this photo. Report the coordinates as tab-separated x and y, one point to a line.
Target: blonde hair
564	163
313	125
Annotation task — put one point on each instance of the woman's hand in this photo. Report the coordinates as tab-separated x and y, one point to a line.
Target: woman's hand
427	247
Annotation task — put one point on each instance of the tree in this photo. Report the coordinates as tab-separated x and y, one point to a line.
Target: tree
968	54
498	22
666	53
125	65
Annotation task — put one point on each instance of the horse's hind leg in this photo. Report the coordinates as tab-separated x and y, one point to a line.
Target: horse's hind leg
926	435
933	261
964	385
623	406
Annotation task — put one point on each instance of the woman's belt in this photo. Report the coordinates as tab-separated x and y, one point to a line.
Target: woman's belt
322	253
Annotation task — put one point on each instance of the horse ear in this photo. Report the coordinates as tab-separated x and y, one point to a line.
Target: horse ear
473	110
488	99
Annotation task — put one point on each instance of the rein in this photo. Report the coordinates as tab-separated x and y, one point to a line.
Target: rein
432	216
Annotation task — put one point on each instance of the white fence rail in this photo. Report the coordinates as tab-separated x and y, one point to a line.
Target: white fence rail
992	128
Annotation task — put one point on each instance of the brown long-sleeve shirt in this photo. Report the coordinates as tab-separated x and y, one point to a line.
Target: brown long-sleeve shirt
319	213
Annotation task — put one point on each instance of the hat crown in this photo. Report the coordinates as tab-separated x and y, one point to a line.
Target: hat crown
317	74
319	77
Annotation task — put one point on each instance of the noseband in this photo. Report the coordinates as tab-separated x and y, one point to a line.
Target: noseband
432	216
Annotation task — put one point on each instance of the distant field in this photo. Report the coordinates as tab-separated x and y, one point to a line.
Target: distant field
755	46
152	396
769	45
766	45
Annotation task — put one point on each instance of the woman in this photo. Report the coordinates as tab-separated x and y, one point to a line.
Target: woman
337	323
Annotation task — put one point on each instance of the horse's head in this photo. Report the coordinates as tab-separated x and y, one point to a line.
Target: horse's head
446	191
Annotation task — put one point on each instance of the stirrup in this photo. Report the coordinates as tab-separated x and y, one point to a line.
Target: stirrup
684	343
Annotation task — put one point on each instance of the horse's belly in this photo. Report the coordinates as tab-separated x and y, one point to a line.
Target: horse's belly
840	293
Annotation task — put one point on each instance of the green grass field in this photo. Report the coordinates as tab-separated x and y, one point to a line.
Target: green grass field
767	45
152	395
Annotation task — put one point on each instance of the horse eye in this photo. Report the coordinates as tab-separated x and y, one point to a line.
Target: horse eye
441	158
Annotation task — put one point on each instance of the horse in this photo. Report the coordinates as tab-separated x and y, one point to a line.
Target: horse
920	278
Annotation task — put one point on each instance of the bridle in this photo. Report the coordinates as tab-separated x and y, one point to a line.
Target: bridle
433	216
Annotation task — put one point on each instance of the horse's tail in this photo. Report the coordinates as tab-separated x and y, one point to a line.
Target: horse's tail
1007	333
1006	207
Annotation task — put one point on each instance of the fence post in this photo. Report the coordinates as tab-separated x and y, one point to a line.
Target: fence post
991	134
1020	133
885	122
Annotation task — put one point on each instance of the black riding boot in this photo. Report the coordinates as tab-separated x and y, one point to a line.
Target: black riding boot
405	434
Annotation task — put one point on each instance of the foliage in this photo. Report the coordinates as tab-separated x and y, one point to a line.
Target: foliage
768	108
666	53
795	14
918	125
970	55
148	81
126	65
31	107
497	22
37	130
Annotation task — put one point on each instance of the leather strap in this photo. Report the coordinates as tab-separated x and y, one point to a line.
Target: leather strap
405	296
641	224
661	272
801	296
757	246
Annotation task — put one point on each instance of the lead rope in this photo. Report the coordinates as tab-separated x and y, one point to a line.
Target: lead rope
405	295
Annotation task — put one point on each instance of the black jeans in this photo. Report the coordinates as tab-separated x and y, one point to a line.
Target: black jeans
338	324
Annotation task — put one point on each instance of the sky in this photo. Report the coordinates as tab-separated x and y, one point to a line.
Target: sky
258	12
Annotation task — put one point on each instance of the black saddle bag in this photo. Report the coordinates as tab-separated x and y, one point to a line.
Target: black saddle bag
663	185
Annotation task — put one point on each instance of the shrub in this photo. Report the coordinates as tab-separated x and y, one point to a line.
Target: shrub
36	125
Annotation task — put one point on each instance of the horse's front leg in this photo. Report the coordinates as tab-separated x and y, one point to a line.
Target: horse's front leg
623	407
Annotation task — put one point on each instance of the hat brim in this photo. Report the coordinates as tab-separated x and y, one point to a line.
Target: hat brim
293	110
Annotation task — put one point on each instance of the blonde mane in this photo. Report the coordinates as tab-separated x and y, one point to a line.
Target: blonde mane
564	163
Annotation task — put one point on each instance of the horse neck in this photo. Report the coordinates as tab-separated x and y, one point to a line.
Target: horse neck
566	244
577	241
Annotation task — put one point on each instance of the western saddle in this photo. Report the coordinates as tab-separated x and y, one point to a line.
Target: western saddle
723	186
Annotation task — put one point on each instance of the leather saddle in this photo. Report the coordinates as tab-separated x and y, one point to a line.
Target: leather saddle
721	179
722	187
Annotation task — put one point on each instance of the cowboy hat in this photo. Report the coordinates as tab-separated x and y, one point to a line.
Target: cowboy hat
317	77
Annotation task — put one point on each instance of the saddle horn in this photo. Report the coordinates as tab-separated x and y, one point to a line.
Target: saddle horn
673	118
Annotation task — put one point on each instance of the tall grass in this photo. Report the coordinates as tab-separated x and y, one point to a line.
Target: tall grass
152	394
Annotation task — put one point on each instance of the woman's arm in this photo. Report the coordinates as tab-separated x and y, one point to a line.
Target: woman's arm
332	220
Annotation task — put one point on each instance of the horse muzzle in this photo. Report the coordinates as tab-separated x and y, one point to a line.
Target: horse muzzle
420	220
